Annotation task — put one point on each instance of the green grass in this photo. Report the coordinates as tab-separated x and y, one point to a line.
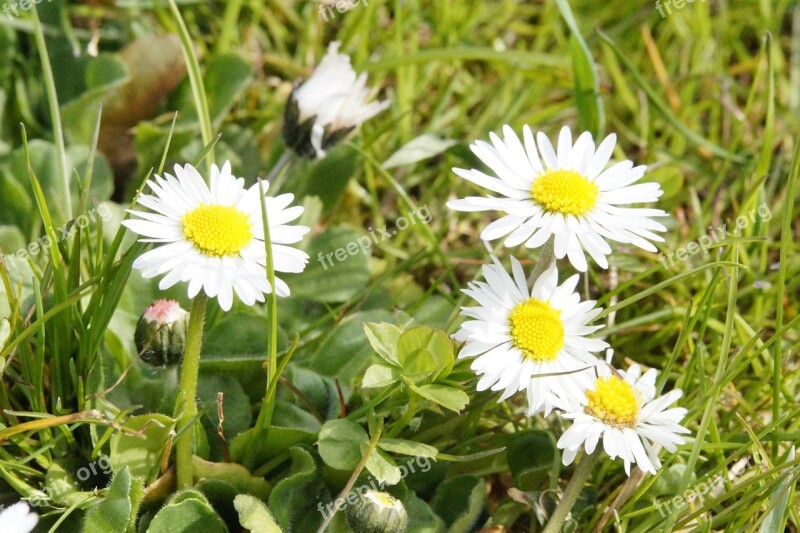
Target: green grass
706	97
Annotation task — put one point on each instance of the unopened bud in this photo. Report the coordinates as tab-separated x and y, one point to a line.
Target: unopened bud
161	333
377	512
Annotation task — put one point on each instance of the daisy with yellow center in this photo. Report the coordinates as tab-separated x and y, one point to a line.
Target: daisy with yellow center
565	193
212	236
529	339
621	408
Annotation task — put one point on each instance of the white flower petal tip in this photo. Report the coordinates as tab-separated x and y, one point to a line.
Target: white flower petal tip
333	101
568	192
212	236
621	410
529	339
18	518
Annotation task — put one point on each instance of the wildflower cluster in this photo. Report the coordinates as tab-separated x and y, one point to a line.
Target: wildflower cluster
534	334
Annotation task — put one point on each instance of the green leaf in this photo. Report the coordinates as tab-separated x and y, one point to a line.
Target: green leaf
234	474
421	518
339	254
225	79
344	352
279	440
294	500
459	501
236	406
379	376
141	456
254	515
424	352
382	466
5	332
448	397
340	443
423	147
327	178
530	457
113	514
187	511
383	337
776	518
407	447
104	74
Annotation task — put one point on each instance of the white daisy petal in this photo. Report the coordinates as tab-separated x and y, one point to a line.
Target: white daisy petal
623	413
213	237
522	342
564	192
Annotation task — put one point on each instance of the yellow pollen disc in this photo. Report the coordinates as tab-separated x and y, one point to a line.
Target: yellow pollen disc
565	191
217	230
613	401
536	330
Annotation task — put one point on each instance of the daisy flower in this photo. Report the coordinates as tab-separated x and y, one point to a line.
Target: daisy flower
621	408
532	339
18	518
567	193
213	237
328	106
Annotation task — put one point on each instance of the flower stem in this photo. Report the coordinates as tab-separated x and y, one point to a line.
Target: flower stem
186	407
546	259
582	472
278	174
373	443
268	405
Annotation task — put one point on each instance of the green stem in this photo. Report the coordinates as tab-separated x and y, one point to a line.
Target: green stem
573	490
186	407
195	82
546	259
373	443
55	113
265	413
404	420
278	174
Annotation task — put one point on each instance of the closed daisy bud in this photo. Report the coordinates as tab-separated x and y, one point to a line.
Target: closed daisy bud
377	512
161	333
329	105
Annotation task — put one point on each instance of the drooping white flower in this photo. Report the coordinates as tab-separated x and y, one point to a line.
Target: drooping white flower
18	518
213	238
529	339
567	193
328	105
621	409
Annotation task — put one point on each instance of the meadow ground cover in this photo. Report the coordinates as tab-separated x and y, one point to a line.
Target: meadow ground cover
387	266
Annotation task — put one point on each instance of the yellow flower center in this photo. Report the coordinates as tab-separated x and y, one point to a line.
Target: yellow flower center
565	191
537	330
614	401
217	230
